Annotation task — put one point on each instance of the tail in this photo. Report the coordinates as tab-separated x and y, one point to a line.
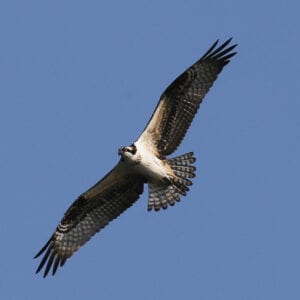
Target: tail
160	195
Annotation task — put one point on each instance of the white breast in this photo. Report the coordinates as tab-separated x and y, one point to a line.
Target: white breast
150	166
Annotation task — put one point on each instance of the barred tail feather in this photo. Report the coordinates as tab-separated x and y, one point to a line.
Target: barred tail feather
164	194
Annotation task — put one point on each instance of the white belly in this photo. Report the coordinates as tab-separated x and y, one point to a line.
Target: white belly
150	166
152	169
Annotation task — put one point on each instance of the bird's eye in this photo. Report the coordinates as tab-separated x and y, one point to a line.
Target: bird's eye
133	149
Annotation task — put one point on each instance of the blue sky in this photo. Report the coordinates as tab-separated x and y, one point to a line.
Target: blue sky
79	79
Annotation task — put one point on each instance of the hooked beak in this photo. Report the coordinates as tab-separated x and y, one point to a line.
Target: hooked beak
120	151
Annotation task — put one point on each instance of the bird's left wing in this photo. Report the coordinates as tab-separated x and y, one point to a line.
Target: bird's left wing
91	212
180	101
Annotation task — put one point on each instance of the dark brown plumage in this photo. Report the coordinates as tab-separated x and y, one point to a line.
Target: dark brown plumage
180	101
121	187
91	212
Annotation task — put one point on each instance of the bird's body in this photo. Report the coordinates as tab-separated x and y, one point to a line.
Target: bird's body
147	164
143	162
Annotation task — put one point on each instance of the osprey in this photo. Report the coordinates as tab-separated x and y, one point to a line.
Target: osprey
144	161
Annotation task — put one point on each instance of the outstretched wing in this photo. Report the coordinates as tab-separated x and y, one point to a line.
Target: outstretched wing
91	212
180	101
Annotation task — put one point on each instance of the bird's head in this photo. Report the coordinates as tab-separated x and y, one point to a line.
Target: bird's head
127	153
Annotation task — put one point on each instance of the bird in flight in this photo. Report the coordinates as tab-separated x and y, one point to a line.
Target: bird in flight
144	161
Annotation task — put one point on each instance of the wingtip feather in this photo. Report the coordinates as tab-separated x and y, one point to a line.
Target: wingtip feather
219	52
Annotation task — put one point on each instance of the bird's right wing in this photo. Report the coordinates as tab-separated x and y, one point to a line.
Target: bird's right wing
92	211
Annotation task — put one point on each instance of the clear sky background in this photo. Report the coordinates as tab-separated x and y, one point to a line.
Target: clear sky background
78	79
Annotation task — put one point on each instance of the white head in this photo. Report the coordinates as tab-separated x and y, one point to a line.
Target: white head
128	153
